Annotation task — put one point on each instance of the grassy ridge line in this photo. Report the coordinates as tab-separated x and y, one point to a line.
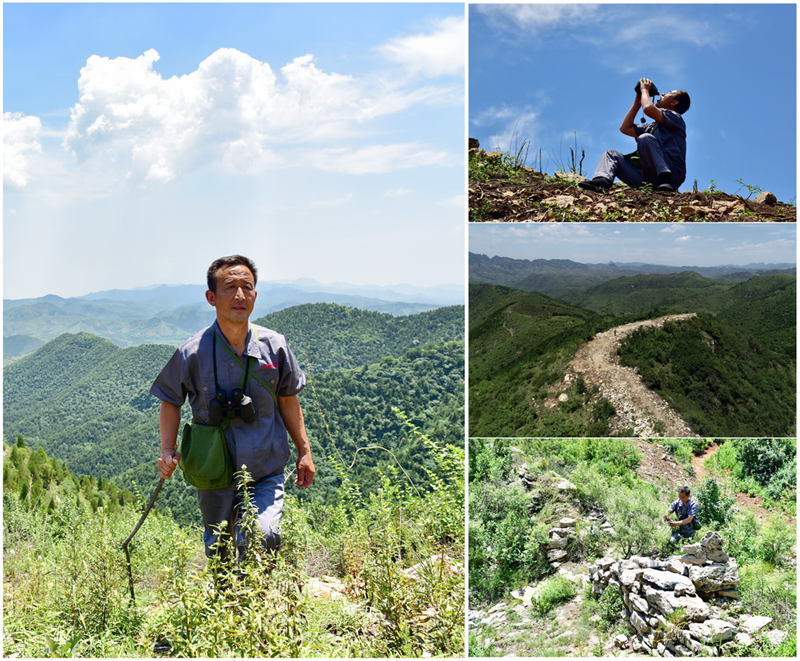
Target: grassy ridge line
396	557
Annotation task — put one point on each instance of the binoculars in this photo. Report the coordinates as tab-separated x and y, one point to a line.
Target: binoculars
237	405
653	89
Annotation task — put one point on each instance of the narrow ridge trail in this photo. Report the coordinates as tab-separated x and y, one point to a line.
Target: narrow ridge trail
637	407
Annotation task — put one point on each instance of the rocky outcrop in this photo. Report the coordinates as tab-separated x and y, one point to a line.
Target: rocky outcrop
671	604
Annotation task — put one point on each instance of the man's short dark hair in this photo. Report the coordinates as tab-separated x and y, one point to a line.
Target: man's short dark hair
684	489
683	102
230	260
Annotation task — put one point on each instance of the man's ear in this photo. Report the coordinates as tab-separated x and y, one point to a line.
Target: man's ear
211	297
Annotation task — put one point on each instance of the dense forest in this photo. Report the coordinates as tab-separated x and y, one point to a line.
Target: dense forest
730	371
86	401
360	576
720	379
614	493
327	336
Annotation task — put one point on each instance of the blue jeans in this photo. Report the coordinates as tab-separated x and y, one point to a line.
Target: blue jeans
613	164
681	534
218	505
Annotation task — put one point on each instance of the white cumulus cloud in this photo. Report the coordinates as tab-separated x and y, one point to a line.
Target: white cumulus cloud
439	52
234	111
21	135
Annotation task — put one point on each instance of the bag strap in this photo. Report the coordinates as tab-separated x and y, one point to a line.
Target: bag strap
241	363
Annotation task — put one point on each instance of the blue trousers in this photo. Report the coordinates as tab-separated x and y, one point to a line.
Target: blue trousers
613	164
679	534
223	505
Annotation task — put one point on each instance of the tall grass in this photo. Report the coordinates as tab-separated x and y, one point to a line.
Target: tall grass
398	555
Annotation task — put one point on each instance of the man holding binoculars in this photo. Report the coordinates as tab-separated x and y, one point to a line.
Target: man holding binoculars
241	379
660	159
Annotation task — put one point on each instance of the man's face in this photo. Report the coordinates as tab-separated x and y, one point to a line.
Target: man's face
235	295
668	100
683	497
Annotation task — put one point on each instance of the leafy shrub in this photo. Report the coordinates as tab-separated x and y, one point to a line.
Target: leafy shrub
636	516
770	461
552	592
775	541
727	458
489	460
741	537
610	605
505	547
715	505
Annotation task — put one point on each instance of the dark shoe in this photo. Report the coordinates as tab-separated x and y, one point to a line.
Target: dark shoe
664	183
596	185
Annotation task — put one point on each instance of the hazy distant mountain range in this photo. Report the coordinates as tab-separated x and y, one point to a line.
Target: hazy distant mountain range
564	278
168	314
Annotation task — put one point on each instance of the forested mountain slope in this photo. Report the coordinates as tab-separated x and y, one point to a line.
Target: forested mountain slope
338	337
520	342
87	402
730	371
721	380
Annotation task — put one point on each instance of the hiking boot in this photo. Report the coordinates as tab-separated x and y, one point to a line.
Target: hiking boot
597	185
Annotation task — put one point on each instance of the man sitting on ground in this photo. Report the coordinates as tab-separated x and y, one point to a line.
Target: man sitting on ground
661	145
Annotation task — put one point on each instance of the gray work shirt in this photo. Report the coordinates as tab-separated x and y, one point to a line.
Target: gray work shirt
671	135
683	510
262	445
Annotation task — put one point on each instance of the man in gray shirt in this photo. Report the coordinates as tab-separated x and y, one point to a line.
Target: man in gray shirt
197	368
661	145
685	509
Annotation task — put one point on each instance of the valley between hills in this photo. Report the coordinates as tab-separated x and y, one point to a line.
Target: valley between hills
615	352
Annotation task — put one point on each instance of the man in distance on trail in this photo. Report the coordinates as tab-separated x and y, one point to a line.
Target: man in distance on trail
661	145
203	366
685	509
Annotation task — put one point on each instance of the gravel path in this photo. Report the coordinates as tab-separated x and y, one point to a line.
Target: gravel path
638	408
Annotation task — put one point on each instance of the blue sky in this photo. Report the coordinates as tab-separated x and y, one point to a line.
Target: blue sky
144	140
546	73
670	244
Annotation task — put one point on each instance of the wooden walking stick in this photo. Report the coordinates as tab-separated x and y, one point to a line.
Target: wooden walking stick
124	546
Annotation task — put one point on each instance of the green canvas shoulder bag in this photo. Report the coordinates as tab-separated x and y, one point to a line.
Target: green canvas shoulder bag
205	460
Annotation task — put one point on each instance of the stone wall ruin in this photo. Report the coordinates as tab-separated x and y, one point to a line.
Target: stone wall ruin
676	606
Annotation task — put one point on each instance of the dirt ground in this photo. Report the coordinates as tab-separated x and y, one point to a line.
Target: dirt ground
524	195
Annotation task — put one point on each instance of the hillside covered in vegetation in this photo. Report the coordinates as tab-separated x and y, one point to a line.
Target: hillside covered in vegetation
546	513
360	576
730	370
87	402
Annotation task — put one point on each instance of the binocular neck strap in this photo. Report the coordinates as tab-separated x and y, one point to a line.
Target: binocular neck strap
246	375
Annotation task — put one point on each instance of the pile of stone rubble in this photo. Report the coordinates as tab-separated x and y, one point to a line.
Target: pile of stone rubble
653	590
560	538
